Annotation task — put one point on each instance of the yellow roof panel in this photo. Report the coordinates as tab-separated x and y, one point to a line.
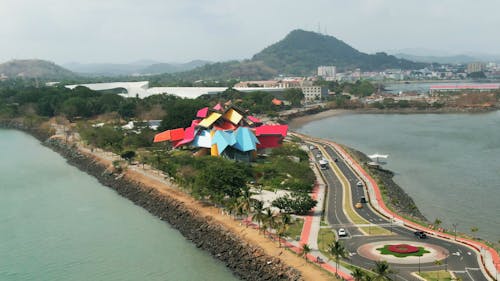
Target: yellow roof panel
233	116
207	122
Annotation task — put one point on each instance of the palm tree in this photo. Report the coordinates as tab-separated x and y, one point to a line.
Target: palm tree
437	223
438	263
474	229
357	274
305	250
337	250
282	226
258	210
269	219
367	278
382	270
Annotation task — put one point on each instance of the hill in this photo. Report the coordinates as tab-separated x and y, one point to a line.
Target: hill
35	69
135	68
301	52
172	67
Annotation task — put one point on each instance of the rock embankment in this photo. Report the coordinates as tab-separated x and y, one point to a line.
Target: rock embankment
399	200
247	261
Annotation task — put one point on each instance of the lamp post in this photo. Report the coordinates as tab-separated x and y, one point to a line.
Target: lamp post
455	230
418	264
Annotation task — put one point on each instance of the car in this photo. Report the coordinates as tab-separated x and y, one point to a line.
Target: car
342	232
358	206
362	199
336	160
312	147
420	234
359	184
319	155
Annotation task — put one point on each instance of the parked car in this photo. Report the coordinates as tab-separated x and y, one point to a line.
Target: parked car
420	234
342	232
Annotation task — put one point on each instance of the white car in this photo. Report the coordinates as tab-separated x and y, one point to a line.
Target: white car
359	184
342	232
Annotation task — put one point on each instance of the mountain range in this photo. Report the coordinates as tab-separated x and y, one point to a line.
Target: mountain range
299	53
135	68
443	57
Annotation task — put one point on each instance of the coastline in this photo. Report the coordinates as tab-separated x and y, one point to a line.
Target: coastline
248	254
299	121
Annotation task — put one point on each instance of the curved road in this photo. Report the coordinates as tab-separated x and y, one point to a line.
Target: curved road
462	261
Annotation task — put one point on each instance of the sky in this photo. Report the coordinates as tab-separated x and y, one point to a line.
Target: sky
123	31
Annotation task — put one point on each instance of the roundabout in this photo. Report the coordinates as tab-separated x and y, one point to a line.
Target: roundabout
402	252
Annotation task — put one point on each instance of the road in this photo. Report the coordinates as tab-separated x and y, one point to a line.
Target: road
462	261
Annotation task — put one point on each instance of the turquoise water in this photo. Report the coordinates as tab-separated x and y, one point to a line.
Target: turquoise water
448	163
58	223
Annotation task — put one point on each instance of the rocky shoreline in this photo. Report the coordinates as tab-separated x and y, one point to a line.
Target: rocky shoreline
246	261
399	200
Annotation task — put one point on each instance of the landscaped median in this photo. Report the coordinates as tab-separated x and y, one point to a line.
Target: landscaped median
489	257
347	202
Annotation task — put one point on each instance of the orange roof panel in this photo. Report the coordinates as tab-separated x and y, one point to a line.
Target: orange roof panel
177	134
163	136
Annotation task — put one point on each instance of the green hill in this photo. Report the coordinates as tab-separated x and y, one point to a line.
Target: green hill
301	52
34	69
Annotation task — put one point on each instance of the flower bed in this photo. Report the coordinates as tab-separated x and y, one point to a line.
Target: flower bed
403	250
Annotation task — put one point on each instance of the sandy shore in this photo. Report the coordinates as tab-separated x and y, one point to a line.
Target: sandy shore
150	178
302	120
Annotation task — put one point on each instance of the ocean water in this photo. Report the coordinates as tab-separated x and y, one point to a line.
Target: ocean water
58	223
448	163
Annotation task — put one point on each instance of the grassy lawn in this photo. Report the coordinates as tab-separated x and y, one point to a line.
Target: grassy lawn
325	238
295	228
385	251
433	275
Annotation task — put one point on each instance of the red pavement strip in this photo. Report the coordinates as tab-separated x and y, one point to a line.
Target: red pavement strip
477	245
304	238
306	228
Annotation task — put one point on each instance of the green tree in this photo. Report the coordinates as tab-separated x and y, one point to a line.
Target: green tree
259	216
437	223
357	274
297	203
294	95
382	271
337	250
128	155
474	229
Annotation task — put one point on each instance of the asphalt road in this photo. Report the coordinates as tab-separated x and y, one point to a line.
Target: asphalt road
461	260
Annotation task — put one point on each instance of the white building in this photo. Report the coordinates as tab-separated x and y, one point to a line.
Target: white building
327	72
313	93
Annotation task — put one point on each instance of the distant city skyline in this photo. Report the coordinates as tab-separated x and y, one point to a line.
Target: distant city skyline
123	31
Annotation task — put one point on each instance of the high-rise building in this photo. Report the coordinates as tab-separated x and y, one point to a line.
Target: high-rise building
475	67
327	72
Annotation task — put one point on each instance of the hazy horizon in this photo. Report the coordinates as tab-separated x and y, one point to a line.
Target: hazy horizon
180	31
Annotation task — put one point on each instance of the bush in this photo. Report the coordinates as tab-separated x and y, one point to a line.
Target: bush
297	203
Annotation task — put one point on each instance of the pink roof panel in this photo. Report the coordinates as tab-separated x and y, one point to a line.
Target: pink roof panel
272	130
202	113
254	119
218	107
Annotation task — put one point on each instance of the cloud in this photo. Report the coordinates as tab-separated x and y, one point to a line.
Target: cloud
128	30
